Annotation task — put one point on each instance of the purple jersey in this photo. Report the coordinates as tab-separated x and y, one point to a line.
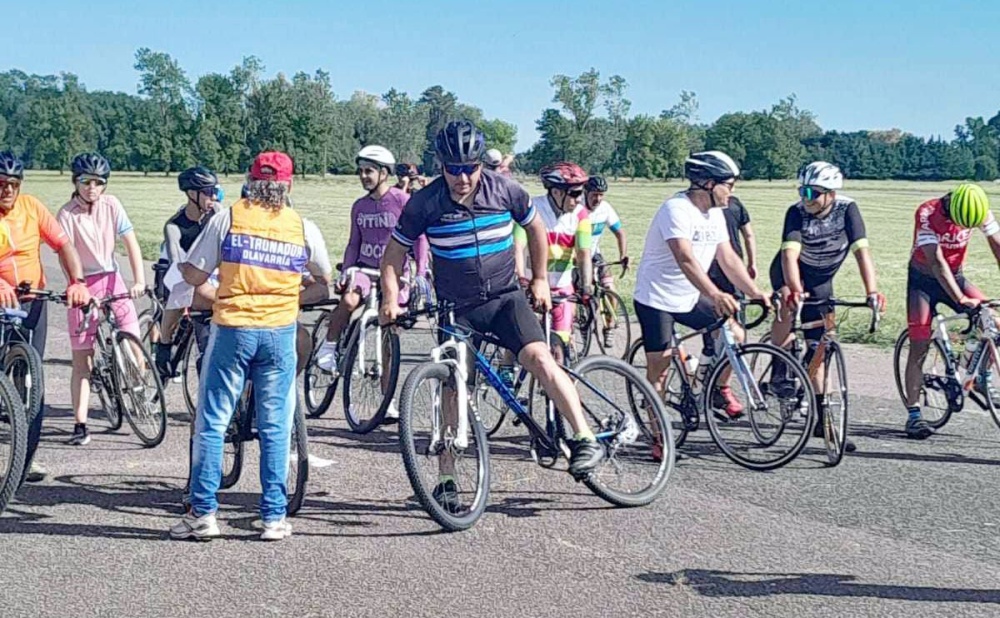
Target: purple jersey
372	223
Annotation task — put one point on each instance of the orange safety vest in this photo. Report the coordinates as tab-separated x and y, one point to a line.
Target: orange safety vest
264	254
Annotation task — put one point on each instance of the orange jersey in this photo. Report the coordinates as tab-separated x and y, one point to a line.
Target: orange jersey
22	231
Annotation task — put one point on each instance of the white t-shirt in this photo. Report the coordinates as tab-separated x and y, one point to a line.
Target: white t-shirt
603	218
660	282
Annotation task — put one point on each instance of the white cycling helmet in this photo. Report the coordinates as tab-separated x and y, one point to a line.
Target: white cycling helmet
823	175
378	155
493	157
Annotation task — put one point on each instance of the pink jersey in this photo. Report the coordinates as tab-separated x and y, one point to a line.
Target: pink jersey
933	227
372	223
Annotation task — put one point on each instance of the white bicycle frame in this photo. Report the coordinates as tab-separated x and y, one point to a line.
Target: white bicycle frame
365	312
457	362
726	343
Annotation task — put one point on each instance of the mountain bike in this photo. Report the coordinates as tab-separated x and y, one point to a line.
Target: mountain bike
189	342
319	386
948	380
603	319
772	430
827	354
14	422
433	439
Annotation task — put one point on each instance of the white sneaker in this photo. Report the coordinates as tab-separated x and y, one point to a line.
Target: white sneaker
202	528
276	530
326	356
392	412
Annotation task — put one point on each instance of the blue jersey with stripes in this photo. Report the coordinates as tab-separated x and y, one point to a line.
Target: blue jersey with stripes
472	247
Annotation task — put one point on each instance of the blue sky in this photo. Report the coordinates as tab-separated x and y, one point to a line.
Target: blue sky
922	67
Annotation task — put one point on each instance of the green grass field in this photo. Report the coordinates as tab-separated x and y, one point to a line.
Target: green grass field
887	207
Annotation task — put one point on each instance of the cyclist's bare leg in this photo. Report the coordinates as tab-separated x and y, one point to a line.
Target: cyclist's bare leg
781	327
538	360
449	418
168	325
915	370
341	315
80	384
657	366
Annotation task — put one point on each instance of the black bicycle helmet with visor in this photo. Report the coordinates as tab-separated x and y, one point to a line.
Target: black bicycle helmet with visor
197	178
596	184
459	143
90	164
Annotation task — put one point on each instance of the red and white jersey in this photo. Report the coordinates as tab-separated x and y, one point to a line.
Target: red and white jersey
933	227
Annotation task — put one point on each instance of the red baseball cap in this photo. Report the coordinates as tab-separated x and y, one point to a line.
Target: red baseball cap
272	165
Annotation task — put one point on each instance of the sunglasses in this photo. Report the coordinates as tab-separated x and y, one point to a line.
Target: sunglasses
811	193
458	170
13	185
575	192
210	192
92	182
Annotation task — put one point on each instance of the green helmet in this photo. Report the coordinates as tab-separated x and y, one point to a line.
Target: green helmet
969	205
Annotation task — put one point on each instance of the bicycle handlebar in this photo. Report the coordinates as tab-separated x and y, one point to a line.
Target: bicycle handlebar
829	302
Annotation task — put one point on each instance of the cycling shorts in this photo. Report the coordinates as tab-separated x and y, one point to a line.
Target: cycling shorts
924	293
562	314
658	326
816	285
508	317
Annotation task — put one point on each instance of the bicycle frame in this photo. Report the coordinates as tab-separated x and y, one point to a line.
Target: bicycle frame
367	311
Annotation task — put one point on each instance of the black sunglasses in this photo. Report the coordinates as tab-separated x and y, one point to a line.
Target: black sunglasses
575	193
458	170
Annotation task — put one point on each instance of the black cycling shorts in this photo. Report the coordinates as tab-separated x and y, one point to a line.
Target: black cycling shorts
818	287
658	326
507	317
924	293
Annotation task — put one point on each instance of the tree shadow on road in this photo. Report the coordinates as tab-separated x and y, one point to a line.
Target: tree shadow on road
718	584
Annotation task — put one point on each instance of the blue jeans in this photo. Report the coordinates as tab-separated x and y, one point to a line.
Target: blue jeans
267	357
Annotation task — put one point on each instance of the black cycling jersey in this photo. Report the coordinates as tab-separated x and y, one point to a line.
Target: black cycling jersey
189	230
473	248
825	242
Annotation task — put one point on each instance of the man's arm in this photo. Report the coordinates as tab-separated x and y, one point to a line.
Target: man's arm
622	242
172	238
206	252
993	240
69	260
689	265
941	271
750	241
867	267
538	249
736	271
391	269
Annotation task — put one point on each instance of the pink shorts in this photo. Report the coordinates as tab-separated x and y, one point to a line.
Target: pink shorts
362	284
563	313
102	286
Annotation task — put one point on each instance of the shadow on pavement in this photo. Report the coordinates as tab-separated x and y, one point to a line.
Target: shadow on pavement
735	584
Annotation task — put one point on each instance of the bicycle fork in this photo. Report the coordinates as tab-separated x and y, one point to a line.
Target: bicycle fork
459	371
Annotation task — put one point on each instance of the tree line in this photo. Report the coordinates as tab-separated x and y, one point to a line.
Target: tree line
222	120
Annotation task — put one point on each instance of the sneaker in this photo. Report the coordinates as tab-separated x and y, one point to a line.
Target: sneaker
506	375
162	362
849	446
202	528
657	451
81	437
609	338
276	530
36	473
586	455
723	399
783	388
985	388
391	414
327	357
918	429
446	494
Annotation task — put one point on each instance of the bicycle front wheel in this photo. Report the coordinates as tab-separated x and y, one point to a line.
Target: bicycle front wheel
368	387
139	388
772	430
13	440
582	332
319	386
835	404
450	474
190	375
933	399
23	366
634	431
298	460
613	325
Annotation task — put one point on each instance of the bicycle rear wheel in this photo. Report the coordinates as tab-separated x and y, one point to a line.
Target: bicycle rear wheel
772	431
189	375
673	395
318	386
430	455
368	388
582	333
634	431
935	407
13	440
298	460
835	404
492	409
613	319
140	390
23	366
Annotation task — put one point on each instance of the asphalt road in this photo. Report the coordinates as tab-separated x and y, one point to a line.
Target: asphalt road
900	528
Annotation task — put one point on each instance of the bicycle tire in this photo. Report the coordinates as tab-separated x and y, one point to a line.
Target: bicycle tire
146	327
673	397
788	411
190	378
354	410
298	464
23	366
147	415
619	322
492	409
835	425
15	419
940	415
318	398
630	445
582	332
233	446
107	395
413	450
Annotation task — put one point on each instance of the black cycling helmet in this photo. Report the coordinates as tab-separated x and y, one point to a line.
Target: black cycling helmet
460	142
91	164
10	165
197	178
712	165
597	184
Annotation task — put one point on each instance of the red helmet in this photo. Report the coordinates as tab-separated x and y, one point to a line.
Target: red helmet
563	175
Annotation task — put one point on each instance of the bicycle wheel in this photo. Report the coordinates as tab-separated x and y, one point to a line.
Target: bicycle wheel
369	388
318	386
492	409
13	440
935	407
149	330
673	395
141	393
614	321
582	333
189	375
772	431
637	439
537	401
836	404
23	366
428	454
107	394
233	442
298	460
